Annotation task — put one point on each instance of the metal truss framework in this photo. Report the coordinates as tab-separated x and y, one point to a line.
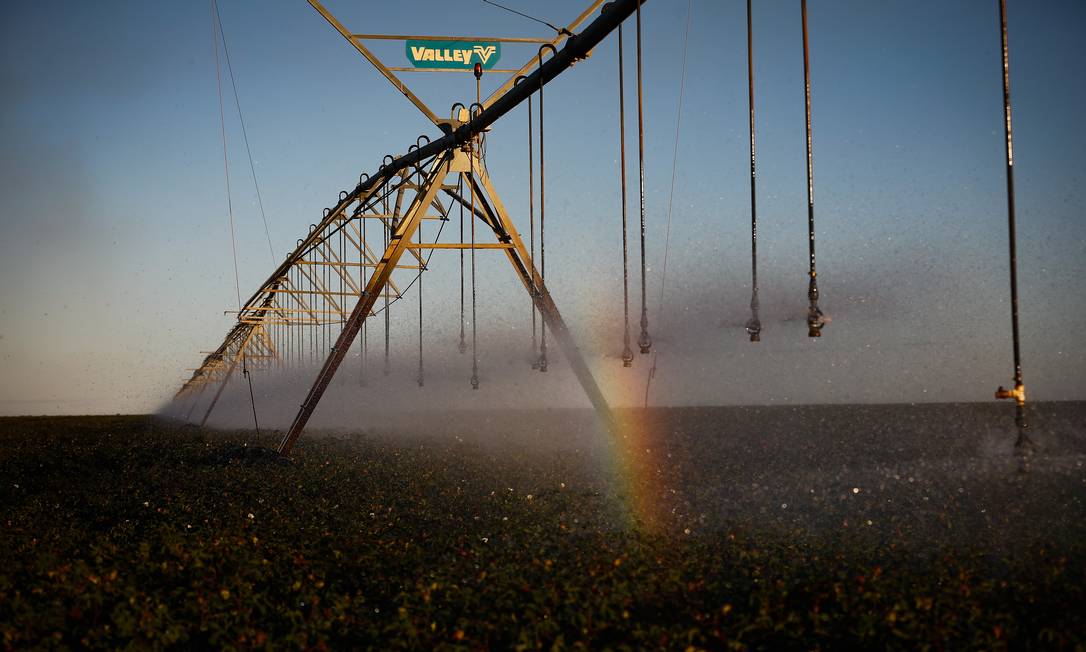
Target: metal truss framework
293	317
348	268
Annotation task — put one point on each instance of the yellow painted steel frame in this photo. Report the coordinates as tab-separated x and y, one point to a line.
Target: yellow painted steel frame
497	218
397	246
290	297
356	41
300	295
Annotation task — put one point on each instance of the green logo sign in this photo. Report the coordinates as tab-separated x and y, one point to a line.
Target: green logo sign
453	54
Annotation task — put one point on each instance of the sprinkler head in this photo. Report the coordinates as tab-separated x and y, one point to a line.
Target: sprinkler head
462	347
644	342
1018	394
627	357
474	381
754	329
815	321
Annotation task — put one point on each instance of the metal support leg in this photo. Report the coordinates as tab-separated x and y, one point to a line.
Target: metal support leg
222	386
195	402
398	244
262	312
529	276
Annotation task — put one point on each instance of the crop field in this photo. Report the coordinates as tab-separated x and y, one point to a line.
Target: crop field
729	528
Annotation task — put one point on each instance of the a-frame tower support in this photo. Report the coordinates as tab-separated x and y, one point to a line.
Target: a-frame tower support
293	298
491	212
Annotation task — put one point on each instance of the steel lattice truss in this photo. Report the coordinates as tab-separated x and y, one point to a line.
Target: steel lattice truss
375	242
296	314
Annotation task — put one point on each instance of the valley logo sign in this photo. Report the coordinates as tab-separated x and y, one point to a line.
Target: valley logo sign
459	55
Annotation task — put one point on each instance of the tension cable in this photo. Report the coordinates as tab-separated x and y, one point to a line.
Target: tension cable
560	30
244	132
215	23
671	194
225	158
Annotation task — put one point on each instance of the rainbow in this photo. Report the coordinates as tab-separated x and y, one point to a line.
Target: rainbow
639	453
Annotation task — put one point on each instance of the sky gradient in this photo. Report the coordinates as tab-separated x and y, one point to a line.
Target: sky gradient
115	264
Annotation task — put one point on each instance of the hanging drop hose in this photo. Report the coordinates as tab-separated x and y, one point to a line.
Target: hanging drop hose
542	214
314	317
478	72
644	341
815	320
342	273
627	353
326	303
385	232
531	236
1019	391
422	264
531	228
471	188
463	345
754	326
364	344
296	335
474	330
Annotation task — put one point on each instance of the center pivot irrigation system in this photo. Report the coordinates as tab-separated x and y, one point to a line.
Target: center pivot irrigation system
371	247
341	261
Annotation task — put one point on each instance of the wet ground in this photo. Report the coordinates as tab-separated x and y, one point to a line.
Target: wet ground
928	473
807	527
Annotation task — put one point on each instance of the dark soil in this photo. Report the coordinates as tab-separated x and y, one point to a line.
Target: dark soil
817	528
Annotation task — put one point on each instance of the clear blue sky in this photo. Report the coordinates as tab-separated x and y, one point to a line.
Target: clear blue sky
115	264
